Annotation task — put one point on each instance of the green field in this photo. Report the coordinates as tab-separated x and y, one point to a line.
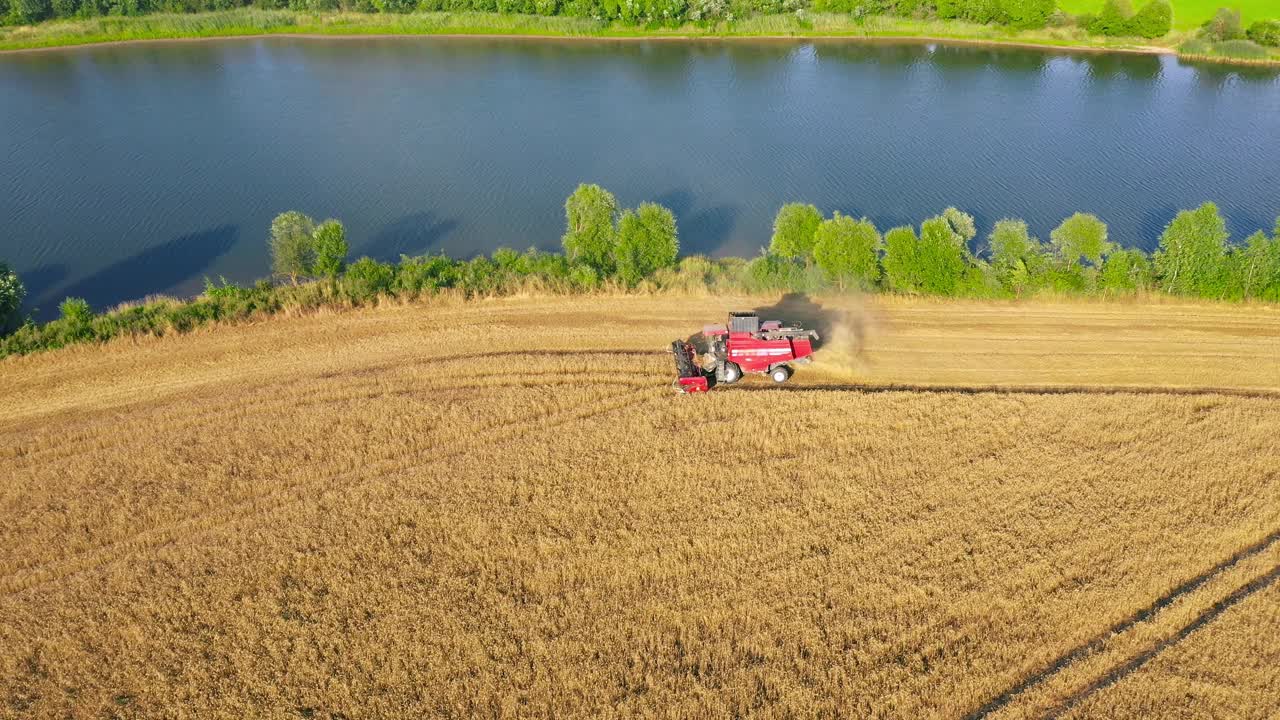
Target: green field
1188	14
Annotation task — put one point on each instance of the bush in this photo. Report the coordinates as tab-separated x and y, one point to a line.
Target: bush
330	244
479	276
794	229
647	241
416	275
12	293
223	291
848	251
583	277
1125	271
1265	32
692	274
367	278
292	246
772	273
76	319
589	235
552	269
1154	20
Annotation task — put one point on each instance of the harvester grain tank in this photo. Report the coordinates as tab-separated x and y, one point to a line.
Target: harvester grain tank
744	345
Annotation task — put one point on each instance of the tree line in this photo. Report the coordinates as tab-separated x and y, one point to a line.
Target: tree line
609	248
1152	19
1195	257
1118	17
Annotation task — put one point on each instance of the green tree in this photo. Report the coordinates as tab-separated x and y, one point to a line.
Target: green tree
1192	248
292	247
1125	271
1081	237
848	251
940	257
64	8
1017	258
330	239
647	241
901	259
1226	24
1026	14
1154	20
961	223
1260	267
12	293
28	12
1113	20
590	236
1265	32
794	229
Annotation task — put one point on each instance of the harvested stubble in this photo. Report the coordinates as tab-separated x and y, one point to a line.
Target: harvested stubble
500	509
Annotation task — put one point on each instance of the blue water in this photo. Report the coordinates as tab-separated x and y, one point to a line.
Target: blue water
129	170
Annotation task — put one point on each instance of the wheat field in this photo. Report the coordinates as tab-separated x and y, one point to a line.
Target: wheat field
500	509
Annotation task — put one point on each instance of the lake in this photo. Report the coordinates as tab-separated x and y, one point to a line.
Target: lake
136	169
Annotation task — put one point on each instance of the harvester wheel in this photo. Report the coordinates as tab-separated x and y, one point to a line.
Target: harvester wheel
732	373
780	374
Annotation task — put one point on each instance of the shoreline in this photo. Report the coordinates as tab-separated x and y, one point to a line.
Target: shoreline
308	34
887	38
819	27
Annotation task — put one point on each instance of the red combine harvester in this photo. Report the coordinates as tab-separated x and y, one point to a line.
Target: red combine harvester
745	346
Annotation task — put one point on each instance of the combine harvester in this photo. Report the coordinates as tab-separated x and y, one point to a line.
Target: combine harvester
745	346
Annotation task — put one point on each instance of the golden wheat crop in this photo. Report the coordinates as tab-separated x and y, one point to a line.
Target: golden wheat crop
500	509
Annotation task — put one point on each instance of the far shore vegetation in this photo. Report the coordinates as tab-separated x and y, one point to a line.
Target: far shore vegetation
1133	25
606	248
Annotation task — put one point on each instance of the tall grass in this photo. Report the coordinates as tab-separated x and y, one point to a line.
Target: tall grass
1243	51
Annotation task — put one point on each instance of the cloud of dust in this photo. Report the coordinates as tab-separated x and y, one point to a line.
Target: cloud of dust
847	326
843	352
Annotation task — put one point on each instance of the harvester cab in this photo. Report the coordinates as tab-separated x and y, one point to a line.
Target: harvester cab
744	345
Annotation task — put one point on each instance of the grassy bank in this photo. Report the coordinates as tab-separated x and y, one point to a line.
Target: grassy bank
247	22
1187	14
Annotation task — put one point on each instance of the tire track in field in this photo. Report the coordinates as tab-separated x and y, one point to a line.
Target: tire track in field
162	389
1117	674
871	388
215	415
1099	641
195	524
